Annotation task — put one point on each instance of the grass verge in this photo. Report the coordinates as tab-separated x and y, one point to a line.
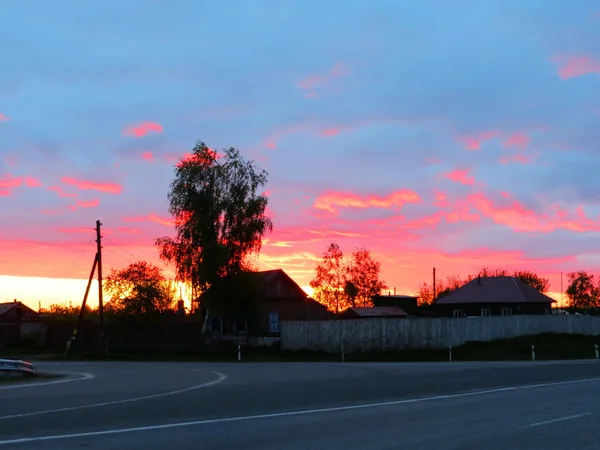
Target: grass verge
547	347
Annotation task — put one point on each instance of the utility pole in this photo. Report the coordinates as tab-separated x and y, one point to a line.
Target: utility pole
100	297
75	335
434	293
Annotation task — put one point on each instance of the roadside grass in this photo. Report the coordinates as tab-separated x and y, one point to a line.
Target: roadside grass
547	347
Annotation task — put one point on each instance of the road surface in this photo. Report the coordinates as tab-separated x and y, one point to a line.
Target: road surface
306	406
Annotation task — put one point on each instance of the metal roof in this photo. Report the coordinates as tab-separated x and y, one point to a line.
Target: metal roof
494	290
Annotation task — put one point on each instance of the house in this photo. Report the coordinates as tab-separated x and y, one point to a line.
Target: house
259	304
16	311
407	303
16	322
374	312
493	296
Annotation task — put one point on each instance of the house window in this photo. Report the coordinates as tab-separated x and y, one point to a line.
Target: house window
507	311
273	322
457	313
486	312
240	325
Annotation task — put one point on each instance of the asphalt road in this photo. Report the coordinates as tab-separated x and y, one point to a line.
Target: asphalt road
306	406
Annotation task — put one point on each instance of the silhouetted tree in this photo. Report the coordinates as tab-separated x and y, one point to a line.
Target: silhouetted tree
340	285
139	289
582	290
329	280
219	217
363	273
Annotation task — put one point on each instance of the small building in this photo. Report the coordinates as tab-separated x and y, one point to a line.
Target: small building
374	312
493	296
278	298
407	303
16	312
17	321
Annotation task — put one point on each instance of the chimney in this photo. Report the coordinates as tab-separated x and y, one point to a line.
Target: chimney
479	280
394	291
389	293
15	300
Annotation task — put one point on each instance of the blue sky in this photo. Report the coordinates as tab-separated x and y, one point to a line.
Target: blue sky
488	111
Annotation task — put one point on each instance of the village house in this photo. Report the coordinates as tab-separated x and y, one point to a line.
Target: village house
493	296
276	298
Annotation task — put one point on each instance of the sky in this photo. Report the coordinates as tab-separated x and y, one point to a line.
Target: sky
448	134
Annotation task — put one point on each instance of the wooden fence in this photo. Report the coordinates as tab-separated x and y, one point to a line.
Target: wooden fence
376	334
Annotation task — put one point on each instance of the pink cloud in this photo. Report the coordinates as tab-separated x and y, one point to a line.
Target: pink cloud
10	182
84	185
576	66
151	218
60	191
4	192
461	176
330	132
519	140
338	70
88	204
517	216
473	142
516	158
129	230
332	201
32	182
4	118
142	129
315	81
147	156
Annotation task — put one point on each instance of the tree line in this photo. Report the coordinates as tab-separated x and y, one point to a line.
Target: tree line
219	206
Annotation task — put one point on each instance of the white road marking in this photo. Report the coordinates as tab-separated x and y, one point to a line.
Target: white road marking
81	377
286	414
220	379
546	422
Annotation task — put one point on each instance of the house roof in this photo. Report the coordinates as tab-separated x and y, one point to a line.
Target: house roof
494	290
261	280
265	277
378	311
6	307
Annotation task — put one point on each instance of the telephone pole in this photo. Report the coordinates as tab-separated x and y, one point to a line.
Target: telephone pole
100	297
434	293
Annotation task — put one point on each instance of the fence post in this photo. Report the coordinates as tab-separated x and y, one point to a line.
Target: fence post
239	352
532	352
343	357
450	353
597	354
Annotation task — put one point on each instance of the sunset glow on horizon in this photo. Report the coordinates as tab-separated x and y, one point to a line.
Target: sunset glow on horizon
403	134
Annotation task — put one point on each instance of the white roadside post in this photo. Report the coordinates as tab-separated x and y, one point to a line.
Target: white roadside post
343	357
532	352
597	354
239	352
450	353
